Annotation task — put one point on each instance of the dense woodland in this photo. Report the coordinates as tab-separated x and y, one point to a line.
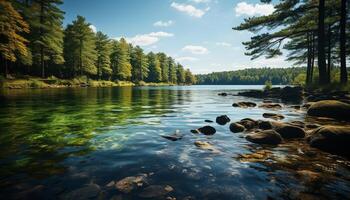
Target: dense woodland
312	32
33	42
254	76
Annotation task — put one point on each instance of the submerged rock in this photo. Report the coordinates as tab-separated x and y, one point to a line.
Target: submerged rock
174	137
88	192
236	127
270	106
130	183
273	116
330	108
265	137
205	146
154	191
207	130
244	104
208	121
332	139
288	131
223	119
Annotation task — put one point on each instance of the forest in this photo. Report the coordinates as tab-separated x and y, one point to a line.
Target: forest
312	33
34	43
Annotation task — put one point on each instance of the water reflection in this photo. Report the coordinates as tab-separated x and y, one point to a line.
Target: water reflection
56	142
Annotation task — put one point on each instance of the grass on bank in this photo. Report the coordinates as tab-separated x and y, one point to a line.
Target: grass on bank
53	82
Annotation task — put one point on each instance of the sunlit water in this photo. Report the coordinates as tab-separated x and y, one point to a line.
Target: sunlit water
60	140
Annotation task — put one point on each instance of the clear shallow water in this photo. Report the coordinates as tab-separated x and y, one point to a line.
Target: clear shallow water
53	142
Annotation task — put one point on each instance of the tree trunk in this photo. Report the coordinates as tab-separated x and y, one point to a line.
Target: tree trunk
308	68
41	45
6	68
321	57
312	56
343	71
329	53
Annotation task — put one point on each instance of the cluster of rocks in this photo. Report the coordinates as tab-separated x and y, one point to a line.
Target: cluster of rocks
287	93
334	139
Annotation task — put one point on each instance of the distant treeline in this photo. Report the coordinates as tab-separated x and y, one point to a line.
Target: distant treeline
34	42
253	76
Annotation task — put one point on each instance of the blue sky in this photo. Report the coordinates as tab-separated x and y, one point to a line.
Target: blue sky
197	33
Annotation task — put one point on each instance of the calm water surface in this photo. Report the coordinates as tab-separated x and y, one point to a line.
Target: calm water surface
56	141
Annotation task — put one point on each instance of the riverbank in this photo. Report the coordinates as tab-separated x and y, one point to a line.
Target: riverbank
53	82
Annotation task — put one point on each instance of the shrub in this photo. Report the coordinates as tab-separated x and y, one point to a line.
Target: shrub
268	85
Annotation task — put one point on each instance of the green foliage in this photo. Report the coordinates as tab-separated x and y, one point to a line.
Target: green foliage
139	62
268	85
155	74
181	74
12	25
120	59
164	65
103	62
253	76
172	70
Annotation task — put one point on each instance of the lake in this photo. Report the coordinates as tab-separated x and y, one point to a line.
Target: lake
73	143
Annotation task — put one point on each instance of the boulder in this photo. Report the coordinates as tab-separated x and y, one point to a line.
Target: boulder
270	106
330	108
288	131
297	123
173	137
292	93
248	123
208	121
253	93
223	119
222	94
273	116
236	127
332	139
270	137
207	130
130	183
265	125
244	104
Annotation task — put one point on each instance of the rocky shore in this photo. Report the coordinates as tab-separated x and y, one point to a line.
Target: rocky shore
327	107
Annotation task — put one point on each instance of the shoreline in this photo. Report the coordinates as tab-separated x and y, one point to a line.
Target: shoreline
50	83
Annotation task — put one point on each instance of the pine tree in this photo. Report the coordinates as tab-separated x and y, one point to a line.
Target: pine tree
46	38
189	78
164	65
120	59
12	44
79	48
155	72
139	64
103	63
172	70
343	40
181	74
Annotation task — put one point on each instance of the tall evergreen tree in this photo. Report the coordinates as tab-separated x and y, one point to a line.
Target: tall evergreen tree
172	70
139	64
189	77
164	65
79	48
181	74
120	59
103	50
155	71
46	32
12	43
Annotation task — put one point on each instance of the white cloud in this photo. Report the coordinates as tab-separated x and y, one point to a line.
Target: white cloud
201	1
148	39
184	59
189	9
244	8
224	44
93	28
195	49
163	24
161	34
